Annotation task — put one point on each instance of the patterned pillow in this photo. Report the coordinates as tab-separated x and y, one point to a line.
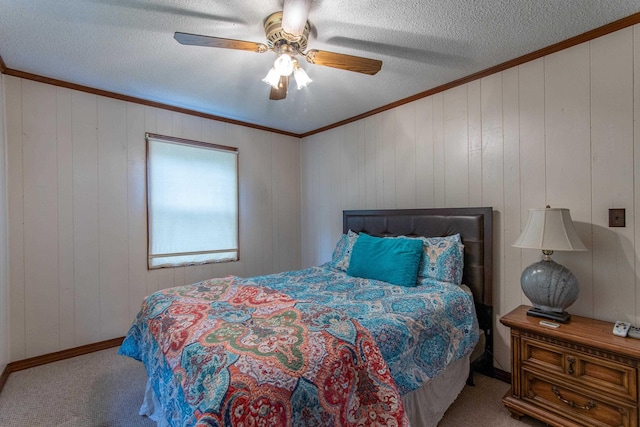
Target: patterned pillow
342	253
442	259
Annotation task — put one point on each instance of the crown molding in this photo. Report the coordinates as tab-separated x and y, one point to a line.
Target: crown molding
565	44
108	94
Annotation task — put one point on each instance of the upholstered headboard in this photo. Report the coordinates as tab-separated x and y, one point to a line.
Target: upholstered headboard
474	226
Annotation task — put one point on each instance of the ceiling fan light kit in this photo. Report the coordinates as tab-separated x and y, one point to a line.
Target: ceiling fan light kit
287	44
287	34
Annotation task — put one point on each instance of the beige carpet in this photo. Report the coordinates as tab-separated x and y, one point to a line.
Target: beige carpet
481	405
104	389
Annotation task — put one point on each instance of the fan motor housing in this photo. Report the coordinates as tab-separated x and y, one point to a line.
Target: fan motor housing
276	36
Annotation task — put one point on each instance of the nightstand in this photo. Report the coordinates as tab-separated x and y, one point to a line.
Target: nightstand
578	375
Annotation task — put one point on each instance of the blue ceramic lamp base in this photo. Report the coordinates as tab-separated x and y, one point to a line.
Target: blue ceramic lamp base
551	288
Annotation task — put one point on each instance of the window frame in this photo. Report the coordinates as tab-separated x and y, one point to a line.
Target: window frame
204	145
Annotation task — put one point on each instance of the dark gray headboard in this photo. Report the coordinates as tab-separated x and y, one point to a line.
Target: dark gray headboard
474	226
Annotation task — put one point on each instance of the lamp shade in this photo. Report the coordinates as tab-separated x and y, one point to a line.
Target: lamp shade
302	79
284	64
549	229
272	78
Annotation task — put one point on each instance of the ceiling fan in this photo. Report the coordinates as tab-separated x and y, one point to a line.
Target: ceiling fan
287	35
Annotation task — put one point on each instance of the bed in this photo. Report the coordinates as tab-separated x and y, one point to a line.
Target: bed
318	346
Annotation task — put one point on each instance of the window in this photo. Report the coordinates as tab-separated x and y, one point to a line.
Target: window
192	202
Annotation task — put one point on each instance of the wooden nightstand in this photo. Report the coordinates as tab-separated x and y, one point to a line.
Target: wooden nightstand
577	375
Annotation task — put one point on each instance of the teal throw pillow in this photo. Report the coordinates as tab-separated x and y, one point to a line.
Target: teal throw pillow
394	261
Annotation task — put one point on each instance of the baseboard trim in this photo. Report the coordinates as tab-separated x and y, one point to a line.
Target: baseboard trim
501	375
4	376
32	362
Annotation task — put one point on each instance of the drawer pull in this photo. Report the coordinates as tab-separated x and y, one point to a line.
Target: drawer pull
590	404
572	361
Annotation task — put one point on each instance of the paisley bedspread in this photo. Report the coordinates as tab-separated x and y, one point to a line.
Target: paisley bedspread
419	330
308	347
219	354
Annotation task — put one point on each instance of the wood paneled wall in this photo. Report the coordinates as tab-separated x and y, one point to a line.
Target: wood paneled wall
4	276
77	211
562	130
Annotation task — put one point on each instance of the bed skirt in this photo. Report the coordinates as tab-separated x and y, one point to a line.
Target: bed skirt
426	406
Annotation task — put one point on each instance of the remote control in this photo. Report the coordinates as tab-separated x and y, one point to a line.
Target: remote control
549	324
634	332
621	328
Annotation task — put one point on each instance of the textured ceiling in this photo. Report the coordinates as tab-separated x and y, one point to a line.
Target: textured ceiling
127	47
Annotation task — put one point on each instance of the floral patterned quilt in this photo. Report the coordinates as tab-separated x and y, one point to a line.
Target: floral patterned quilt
308	347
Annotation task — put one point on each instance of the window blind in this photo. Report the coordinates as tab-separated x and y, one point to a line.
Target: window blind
192	196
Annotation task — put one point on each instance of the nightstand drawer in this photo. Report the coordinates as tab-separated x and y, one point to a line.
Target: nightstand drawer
582	409
548	357
599	374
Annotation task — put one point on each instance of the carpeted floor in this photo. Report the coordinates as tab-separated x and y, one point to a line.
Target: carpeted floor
104	389
481	406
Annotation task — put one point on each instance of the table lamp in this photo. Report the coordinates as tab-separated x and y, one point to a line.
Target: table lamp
550	287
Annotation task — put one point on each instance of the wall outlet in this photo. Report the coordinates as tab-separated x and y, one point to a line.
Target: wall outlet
616	218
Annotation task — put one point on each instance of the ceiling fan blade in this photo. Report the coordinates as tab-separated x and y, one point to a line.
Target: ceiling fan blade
281	91
344	62
294	16
197	40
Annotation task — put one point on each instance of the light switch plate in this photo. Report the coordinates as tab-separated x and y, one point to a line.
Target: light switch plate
616	218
